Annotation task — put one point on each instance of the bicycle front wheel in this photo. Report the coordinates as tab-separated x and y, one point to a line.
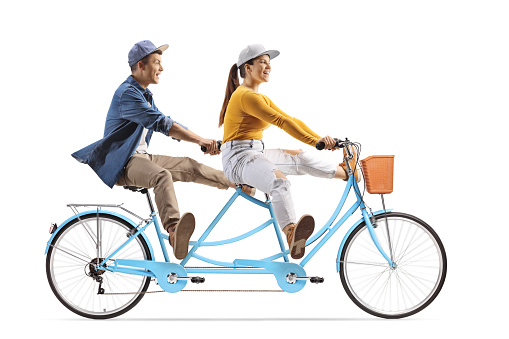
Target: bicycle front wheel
409	287
71	272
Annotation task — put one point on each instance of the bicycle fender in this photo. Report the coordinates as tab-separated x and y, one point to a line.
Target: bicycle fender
350	231
95	212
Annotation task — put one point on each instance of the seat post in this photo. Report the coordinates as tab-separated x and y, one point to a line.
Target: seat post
149	199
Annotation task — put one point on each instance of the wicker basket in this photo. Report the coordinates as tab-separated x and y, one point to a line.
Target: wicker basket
378	173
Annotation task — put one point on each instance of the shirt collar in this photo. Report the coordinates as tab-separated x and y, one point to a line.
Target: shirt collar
135	83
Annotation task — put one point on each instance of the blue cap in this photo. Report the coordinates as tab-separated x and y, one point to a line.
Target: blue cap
142	49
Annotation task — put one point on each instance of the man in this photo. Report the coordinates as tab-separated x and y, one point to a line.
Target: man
121	157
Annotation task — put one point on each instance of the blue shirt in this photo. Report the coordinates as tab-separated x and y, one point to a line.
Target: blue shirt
128	115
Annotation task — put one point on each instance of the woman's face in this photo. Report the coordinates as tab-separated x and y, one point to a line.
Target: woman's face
260	70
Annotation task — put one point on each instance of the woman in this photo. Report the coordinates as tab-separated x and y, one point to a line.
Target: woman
245	114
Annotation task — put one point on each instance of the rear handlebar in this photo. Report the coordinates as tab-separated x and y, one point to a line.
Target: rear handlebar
219	143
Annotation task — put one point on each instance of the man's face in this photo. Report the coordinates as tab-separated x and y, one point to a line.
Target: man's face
152	70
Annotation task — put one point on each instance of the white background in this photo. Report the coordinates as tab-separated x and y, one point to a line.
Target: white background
424	80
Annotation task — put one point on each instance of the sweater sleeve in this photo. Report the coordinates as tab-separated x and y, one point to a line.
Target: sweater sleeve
297	121
253	104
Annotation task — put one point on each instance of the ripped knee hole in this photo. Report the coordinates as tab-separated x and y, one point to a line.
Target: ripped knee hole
292	152
280	175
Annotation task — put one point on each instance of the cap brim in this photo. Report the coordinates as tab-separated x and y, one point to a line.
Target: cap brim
161	48
272	53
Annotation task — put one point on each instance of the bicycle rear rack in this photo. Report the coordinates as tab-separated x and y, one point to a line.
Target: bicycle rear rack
74	208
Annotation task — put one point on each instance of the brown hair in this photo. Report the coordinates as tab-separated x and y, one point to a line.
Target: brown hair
145	60
231	86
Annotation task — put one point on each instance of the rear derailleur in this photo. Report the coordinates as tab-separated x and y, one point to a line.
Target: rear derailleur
95	273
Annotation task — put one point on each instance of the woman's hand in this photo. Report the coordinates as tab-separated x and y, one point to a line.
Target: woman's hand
211	146
329	142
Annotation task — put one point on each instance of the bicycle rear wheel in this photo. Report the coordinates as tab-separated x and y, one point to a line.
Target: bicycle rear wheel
71	272
421	266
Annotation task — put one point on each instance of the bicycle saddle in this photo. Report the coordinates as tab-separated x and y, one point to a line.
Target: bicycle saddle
136	189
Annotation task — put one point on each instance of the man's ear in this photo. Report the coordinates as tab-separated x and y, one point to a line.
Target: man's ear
141	65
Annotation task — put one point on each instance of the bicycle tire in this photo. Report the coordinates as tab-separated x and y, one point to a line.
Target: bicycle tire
70	272
378	289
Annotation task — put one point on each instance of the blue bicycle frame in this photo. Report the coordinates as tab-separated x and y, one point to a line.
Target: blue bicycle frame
268	265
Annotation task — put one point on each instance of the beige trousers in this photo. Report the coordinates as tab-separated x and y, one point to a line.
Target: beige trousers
160	171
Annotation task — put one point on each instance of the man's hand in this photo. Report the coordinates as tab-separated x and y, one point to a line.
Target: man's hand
181	133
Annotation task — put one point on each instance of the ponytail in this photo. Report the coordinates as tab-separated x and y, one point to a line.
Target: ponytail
231	86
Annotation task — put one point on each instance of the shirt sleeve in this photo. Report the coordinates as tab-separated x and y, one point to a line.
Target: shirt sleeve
253	104
133	107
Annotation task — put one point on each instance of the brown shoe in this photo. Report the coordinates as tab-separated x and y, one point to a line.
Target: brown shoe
296	235
180	234
353	165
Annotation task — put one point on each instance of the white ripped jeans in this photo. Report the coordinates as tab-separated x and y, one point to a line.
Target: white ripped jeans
247	162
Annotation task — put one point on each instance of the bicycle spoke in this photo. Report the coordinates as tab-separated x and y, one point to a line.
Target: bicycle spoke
90	232
74	255
380	264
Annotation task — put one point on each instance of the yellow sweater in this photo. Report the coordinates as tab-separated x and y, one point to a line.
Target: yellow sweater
249	113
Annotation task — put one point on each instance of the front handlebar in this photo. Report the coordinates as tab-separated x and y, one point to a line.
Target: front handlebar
339	143
346	144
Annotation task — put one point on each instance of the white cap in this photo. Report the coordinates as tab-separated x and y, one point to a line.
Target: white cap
253	51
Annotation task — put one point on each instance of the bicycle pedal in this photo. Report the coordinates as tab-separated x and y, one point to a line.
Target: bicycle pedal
316	280
292	278
174	278
197	280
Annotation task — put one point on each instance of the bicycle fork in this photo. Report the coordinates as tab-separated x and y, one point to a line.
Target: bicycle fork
371	230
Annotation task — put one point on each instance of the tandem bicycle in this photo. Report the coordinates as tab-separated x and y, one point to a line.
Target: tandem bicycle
99	263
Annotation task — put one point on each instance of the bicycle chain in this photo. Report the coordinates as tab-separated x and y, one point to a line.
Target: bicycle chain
122	293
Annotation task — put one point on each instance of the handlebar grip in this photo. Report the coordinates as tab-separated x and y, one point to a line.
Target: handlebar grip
321	145
219	143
